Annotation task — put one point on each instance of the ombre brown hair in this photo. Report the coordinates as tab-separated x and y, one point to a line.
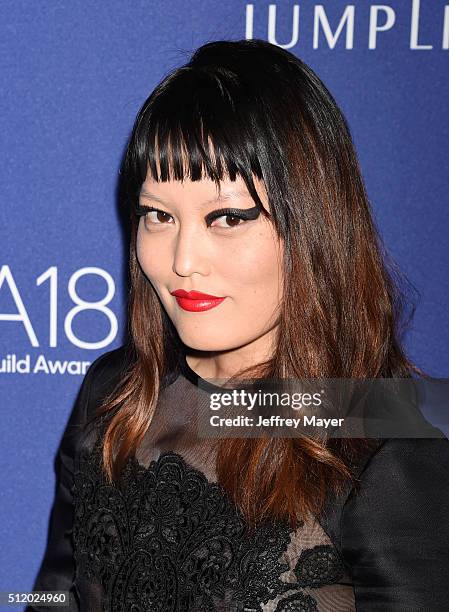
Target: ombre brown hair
250	108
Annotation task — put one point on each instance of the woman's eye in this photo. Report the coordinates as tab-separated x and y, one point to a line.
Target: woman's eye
224	219
157	217
230	221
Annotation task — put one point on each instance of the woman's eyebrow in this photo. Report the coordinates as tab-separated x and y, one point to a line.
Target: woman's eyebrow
228	195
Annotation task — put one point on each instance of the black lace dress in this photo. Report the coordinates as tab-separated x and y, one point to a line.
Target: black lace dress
169	539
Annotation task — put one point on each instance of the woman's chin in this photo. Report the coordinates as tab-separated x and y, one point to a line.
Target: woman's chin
196	343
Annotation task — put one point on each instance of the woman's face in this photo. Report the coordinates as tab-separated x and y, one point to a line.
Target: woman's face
238	260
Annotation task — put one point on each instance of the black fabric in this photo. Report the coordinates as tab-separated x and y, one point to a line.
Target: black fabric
394	533
168	538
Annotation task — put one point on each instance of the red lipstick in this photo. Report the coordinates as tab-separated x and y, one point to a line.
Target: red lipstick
195	301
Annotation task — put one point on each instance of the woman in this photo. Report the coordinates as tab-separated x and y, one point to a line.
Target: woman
243	185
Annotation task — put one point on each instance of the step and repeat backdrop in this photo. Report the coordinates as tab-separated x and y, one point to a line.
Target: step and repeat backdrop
74	74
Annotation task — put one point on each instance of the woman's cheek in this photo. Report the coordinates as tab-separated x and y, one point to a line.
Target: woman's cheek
150	255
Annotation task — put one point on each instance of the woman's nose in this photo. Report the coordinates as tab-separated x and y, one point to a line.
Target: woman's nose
191	252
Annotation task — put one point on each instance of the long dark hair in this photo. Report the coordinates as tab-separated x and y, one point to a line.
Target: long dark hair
250	108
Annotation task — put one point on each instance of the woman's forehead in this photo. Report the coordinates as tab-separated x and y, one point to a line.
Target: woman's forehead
205	190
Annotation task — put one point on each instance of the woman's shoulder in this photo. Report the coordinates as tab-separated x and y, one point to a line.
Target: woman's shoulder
111	364
398	473
106	372
102	377
406	468
392	530
404	480
103	374
409	458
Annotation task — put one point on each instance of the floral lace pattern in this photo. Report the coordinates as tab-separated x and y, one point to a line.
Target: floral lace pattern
167	539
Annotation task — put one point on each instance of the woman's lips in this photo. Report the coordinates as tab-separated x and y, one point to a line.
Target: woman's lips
195	301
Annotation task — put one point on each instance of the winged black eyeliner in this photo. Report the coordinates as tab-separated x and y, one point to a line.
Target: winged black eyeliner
141	211
248	214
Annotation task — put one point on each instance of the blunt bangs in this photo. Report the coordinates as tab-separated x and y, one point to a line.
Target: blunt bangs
199	123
